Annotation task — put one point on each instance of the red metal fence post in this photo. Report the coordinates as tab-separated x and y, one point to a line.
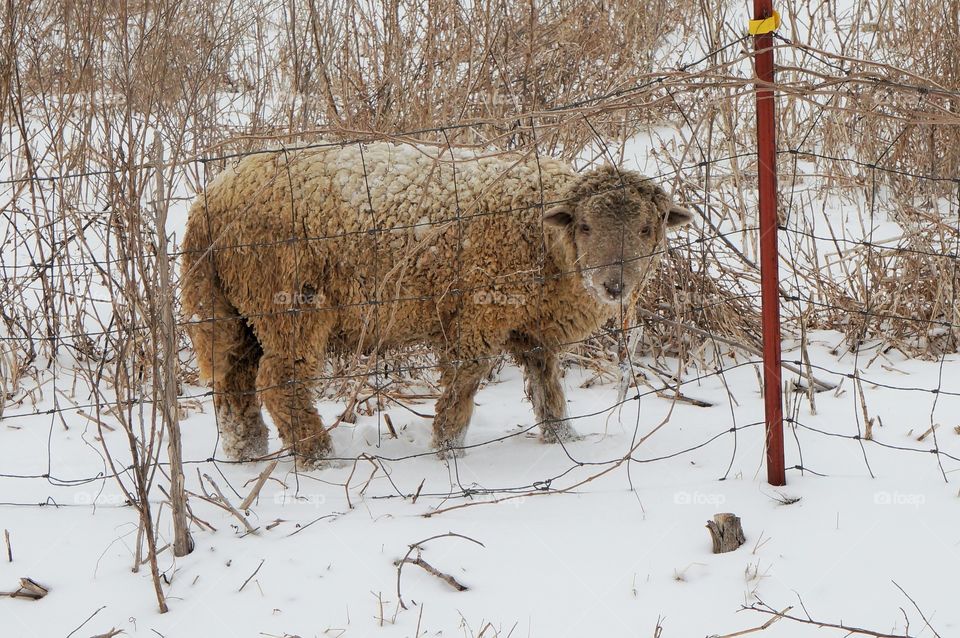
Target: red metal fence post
769	274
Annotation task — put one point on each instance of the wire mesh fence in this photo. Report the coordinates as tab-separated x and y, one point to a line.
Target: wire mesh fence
869	197
77	273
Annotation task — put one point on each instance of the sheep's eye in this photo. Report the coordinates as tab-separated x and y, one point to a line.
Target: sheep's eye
645	230
584	228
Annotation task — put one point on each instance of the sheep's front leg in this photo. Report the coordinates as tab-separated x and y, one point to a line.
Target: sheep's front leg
460	382
541	371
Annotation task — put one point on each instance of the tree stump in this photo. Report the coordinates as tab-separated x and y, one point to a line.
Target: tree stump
726	532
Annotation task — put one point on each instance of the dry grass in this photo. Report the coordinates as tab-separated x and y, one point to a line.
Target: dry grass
86	87
881	121
478	63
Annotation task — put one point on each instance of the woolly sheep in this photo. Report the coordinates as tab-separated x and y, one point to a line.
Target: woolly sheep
292	254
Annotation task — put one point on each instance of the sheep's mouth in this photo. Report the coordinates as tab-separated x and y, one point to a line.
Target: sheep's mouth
608	298
603	293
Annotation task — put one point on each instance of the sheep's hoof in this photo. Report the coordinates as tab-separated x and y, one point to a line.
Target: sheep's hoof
450	448
317	458
239	448
558	432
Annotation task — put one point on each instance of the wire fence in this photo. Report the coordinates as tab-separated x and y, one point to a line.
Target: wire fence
796	154
83	300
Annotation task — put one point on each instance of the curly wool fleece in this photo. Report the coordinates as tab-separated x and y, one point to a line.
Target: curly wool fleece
292	254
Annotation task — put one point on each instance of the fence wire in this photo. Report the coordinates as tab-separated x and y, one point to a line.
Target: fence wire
80	296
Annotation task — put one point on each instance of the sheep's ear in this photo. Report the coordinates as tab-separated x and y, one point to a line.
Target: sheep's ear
677	216
559	216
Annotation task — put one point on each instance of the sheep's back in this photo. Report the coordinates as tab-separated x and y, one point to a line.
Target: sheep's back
394	223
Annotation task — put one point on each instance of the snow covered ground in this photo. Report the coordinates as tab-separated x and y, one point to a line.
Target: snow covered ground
609	558
622	551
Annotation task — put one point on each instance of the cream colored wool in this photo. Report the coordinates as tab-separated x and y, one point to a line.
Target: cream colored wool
292	254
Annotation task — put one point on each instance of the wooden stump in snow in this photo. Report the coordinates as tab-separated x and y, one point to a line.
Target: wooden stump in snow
726	532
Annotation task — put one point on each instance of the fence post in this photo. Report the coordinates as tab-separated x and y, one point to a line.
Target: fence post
765	22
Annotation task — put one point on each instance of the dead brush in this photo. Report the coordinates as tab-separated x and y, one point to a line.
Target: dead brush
904	296
929	143
704	294
898	104
479	64
493	75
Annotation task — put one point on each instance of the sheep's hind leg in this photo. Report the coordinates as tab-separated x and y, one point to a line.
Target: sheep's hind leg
227	350
460	383
243	432
286	384
228	354
541	371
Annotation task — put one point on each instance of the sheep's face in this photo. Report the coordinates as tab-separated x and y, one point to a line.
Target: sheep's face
616	221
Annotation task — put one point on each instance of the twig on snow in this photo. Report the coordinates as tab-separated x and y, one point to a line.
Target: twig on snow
29	588
261	481
850	630
250	577
226	505
426	566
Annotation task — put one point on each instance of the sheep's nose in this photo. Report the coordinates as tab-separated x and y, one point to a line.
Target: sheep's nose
614	288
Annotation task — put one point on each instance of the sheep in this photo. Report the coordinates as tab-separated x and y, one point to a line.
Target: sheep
294	254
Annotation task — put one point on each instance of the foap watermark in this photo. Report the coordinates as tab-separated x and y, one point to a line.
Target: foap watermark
500	99
306	296
895	497
498	298
713	499
309	500
100	500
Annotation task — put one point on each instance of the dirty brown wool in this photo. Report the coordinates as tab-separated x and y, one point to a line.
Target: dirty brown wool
287	252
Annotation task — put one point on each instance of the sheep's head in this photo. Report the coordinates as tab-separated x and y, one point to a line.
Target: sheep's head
616	221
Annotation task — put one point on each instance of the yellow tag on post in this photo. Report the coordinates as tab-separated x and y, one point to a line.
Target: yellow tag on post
766	25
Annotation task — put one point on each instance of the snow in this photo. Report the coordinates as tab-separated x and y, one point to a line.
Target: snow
623	549
609	558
